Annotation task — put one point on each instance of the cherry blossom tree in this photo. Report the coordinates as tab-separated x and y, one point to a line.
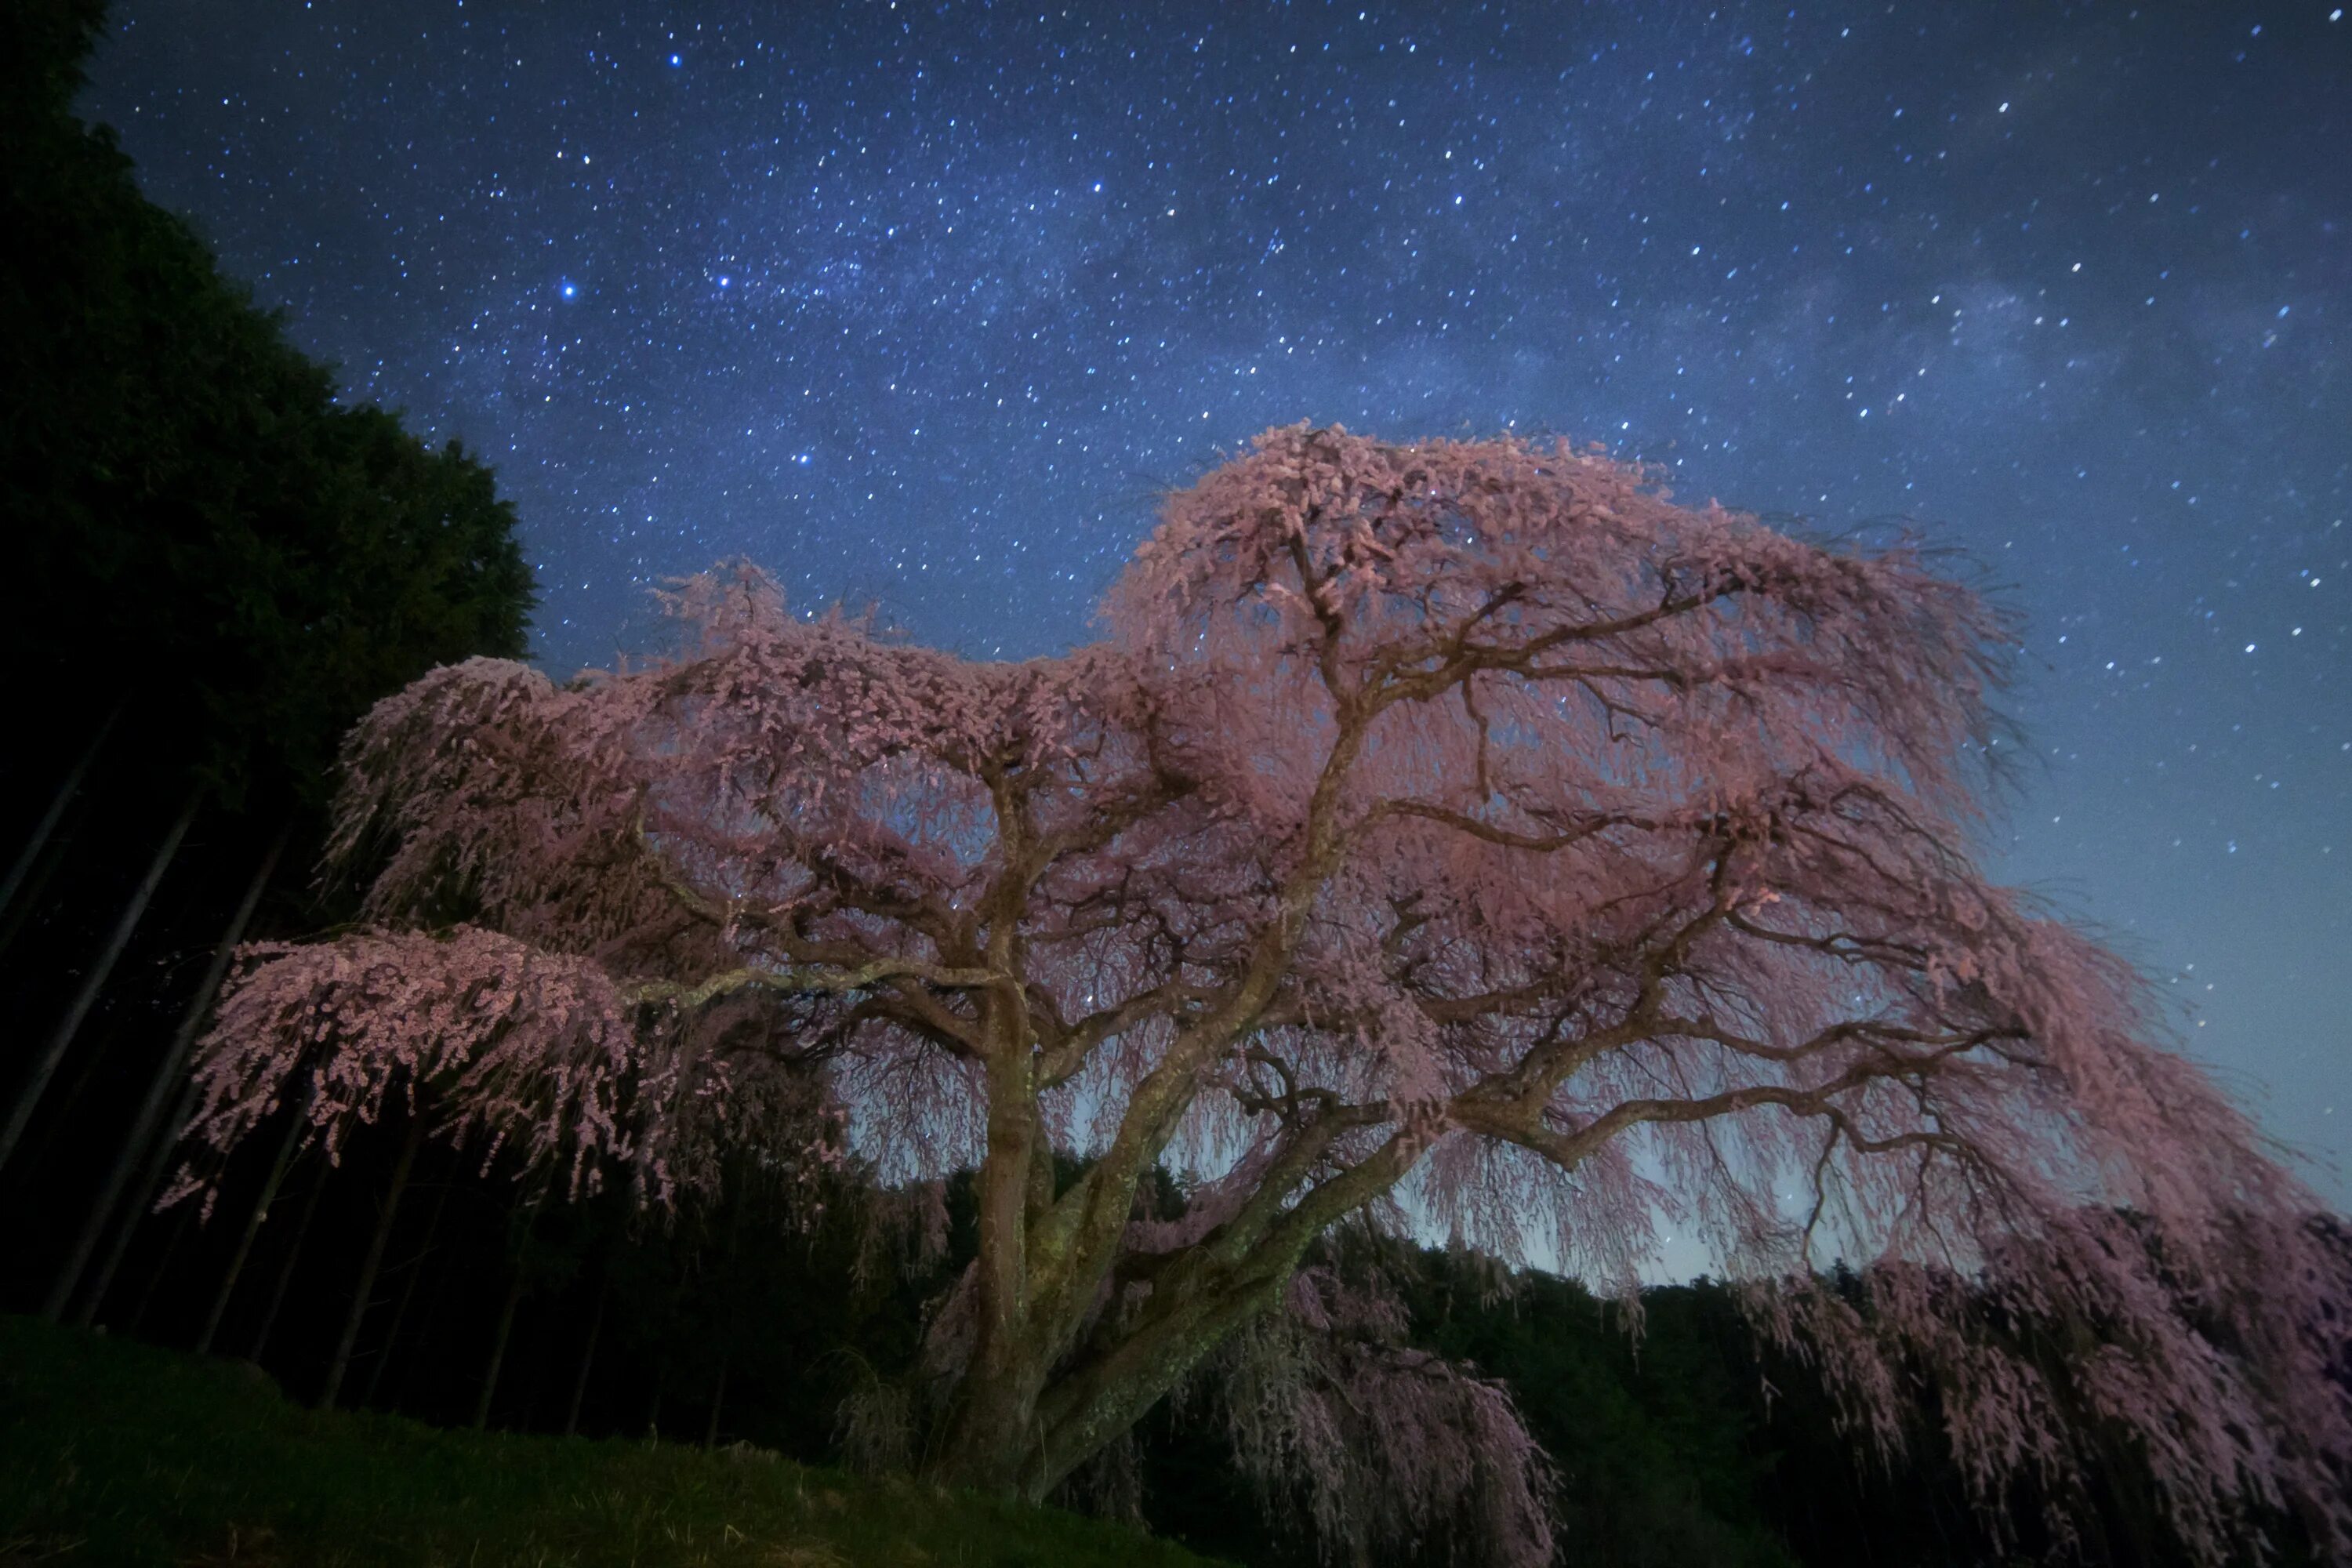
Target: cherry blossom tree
1461	837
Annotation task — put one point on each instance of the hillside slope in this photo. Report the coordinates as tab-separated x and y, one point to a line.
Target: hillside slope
113	1452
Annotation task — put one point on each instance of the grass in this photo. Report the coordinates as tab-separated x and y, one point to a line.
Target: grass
113	1452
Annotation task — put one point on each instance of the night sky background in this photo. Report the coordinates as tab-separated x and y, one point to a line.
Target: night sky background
925	304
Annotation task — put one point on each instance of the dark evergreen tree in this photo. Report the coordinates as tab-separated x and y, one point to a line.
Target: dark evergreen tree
215	568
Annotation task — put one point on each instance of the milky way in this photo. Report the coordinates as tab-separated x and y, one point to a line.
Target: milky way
924	304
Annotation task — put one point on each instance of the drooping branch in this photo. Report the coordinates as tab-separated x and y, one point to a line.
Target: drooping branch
802	982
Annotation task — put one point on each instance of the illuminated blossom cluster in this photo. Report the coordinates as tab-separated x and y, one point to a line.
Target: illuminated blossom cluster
537	1054
1385	1445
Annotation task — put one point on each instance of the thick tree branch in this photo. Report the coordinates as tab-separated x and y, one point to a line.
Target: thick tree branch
805	982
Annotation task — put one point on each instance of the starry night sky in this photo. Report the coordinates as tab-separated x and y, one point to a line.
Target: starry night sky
924	303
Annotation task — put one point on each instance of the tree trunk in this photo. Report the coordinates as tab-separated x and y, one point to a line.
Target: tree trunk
167	1074
253	1221
587	1360
507	1315
1091	1406
30	897
992	1431
991	1425
180	1229
134	1213
374	1260
93	1049
285	1269
22	866
401	1400
1060	1422
999	1440
407	1294
45	1066
718	1400
497	1353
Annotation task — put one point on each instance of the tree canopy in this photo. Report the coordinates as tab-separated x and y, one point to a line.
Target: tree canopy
205	529
1458	836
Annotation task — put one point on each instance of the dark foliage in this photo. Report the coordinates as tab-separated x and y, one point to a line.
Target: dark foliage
194	523
215	568
114	1453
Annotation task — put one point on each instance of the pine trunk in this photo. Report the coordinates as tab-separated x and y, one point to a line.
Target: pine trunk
31	897
497	1353
408	1295
85	996
507	1315
373	1261
159	1090
253	1223
587	1360
717	1402
402	1399
23	865
285	1269
134	1215
180	1229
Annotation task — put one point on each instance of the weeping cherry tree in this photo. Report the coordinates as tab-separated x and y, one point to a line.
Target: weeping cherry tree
1455	837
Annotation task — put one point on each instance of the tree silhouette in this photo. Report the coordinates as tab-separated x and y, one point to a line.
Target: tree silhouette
219	566
1460	834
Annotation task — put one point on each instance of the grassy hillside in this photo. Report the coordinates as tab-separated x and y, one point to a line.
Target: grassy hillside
118	1453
